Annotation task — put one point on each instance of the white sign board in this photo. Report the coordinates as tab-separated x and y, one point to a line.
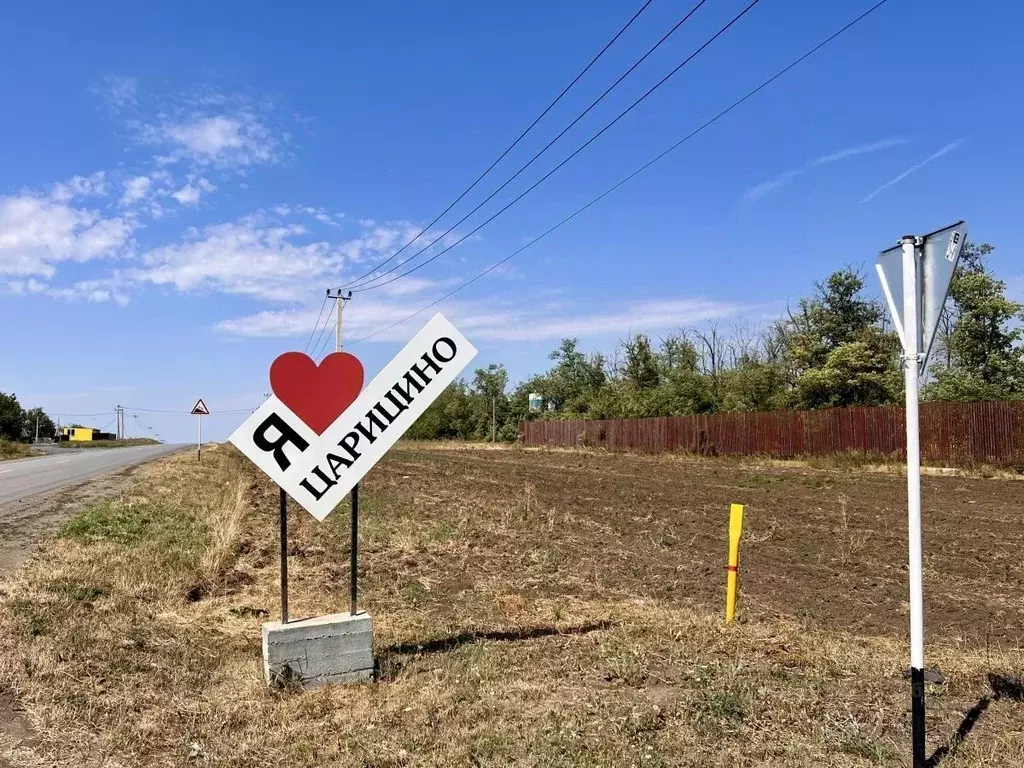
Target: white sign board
200	409
318	470
938	255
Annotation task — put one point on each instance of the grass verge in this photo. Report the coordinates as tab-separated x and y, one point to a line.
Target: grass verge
110	443
133	639
13	450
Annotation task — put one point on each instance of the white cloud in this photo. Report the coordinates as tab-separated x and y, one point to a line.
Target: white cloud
190	193
268	259
119	91
897	179
861	149
758	191
94	291
220	140
491	320
187	195
135	189
26	286
245	258
80	186
36	233
765	188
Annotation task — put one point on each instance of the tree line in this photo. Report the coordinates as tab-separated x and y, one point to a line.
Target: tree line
19	425
834	348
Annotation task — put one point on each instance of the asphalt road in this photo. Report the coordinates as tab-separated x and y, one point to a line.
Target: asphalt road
22	478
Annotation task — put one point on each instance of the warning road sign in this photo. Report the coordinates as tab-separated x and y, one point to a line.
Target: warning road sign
200	409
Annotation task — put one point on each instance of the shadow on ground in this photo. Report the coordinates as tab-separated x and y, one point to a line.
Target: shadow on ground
1003	687
390	663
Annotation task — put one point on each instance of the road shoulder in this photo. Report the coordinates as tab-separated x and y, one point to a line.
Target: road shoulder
26	523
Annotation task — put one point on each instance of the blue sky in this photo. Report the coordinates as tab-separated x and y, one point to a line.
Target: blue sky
180	184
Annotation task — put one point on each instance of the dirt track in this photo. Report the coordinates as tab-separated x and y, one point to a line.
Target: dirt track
828	546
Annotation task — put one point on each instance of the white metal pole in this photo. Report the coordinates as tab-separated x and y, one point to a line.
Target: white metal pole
911	320
199	439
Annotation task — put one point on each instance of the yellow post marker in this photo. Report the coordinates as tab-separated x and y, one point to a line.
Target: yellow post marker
733	569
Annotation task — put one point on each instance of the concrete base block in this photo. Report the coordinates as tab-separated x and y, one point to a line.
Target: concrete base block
327	649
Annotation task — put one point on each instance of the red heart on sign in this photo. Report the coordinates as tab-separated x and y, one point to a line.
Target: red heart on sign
317	394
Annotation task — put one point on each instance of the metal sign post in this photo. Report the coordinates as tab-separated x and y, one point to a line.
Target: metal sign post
199	410
915	276
911	373
284	557
353	582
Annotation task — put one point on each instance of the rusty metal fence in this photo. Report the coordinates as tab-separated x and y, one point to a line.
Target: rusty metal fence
960	434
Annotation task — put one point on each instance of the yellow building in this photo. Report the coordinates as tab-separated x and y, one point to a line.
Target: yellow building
77	434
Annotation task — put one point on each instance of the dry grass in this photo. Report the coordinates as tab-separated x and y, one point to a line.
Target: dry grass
13	450
133	640
126	443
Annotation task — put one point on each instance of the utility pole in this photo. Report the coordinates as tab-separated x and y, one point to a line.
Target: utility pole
339	299
37	427
353	578
493	423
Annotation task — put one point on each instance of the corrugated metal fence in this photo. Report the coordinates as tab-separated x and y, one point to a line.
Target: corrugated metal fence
953	433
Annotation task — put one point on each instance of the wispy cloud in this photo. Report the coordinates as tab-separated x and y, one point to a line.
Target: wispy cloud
118	91
896	180
495	320
765	188
862	149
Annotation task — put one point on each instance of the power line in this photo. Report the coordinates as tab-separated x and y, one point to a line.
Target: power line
185	413
318	317
369	284
510	147
550	173
340	299
635	173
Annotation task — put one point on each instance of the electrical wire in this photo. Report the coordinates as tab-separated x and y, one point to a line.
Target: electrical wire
550	173
320	347
327	322
318	318
510	147
634	174
186	413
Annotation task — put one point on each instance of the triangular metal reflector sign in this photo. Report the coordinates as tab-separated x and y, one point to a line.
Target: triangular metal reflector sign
890	272
200	409
937	257
941	254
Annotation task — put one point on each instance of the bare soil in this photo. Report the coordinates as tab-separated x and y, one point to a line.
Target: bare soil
826	546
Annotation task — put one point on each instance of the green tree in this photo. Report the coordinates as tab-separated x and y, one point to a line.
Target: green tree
837	352
641	366
980	355
490	400
854	373
573	380
47	429
12	417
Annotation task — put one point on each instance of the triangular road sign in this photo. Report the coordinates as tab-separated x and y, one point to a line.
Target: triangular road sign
200	409
937	257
